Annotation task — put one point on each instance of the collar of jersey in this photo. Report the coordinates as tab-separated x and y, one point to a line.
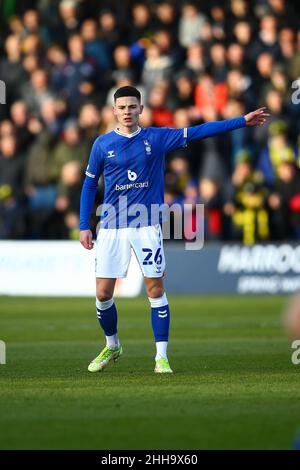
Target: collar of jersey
129	135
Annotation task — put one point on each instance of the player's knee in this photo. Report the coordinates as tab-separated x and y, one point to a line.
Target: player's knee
155	292
103	295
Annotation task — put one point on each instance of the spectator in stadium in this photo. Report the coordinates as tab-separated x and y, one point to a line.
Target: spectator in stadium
68	21
68	199
95	47
210	94
247	205
40	187
169	47
217	16
146	119
210	196
142	24
219	68
79	69
294	61
236	57
7	128
37	91
284	12
71	147
264	65
89	122
179	166
183	94
11	188
123	61
195	61
56	65
277	150
31	44
50	117
11	70
157	101
239	10
190	24
14	26
30	63
285	200
274	103
266	41
232	144
240	87
20	118
110	31
157	67
107	120
286	40
32	25
166	18
243	35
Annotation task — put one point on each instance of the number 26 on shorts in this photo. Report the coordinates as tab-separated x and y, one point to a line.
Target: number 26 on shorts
149	255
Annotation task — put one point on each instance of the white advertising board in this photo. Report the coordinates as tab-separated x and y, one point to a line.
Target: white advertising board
56	268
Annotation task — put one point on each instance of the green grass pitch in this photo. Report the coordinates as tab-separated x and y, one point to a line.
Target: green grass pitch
234	385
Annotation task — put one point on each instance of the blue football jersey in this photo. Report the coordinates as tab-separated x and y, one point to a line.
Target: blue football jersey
133	170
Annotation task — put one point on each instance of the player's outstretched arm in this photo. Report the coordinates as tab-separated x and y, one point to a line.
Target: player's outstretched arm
86	239
257	117
213	128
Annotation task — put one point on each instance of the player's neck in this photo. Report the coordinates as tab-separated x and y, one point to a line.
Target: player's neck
126	129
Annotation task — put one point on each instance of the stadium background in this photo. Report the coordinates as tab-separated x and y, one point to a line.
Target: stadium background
235	385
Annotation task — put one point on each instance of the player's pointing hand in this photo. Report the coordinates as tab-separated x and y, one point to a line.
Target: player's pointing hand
257	117
86	239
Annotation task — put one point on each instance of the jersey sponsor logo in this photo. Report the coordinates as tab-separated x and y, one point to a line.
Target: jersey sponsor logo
121	187
111	153
132	176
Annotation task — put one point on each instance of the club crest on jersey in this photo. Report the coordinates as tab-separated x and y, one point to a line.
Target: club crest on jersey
147	147
110	153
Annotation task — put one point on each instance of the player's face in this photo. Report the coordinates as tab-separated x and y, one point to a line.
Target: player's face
127	110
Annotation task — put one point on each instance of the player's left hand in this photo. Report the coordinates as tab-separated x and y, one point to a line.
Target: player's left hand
257	117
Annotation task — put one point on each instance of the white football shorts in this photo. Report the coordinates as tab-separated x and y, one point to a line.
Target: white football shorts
114	247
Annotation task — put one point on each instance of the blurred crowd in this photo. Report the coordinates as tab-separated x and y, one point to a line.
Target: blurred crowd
194	62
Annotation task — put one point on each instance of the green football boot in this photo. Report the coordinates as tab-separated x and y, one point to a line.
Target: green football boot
162	366
107	354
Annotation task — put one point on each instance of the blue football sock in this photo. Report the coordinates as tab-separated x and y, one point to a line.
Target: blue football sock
107	316
160	318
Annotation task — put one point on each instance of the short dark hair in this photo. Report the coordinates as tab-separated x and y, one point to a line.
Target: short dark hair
127	91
